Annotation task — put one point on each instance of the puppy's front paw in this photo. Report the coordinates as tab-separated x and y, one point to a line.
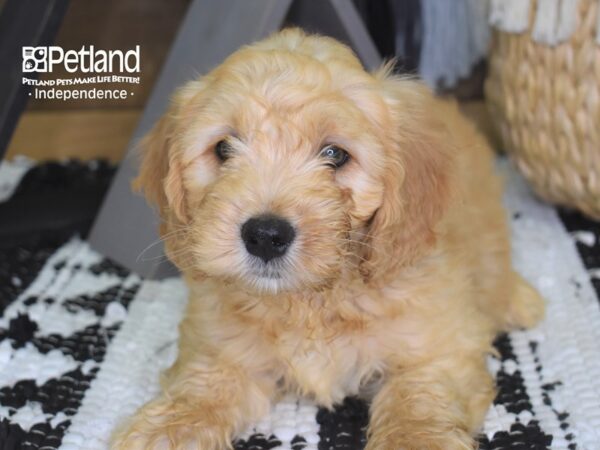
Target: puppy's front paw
429	439
527	306
164	425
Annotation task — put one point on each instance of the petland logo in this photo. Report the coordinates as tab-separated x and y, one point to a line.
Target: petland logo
86	60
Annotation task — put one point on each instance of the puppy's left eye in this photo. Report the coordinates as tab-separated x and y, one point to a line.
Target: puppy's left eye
335	156
223	150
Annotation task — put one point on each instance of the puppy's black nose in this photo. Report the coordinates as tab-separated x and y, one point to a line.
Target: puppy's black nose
267	236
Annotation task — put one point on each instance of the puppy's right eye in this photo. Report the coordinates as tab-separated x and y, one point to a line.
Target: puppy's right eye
223	150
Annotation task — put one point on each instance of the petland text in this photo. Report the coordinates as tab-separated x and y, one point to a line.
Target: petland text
86	60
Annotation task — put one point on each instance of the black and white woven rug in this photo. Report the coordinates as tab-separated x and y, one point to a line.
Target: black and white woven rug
82	342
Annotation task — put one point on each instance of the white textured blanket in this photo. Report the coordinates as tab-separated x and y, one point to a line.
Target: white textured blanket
82	345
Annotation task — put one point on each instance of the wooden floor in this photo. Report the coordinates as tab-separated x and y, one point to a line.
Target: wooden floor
83	134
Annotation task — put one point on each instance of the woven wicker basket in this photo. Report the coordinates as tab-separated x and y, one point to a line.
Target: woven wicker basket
545	100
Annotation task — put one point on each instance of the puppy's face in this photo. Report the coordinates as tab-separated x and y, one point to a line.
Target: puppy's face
279	166
276	166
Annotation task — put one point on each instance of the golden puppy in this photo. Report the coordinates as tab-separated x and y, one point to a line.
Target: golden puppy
338	229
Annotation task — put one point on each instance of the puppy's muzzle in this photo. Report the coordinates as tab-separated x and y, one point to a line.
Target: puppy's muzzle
267	236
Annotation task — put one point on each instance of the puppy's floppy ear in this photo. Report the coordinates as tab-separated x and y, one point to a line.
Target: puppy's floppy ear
417	179
160	177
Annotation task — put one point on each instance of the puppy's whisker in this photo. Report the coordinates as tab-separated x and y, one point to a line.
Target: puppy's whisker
161	240
166	257
158	258
140	256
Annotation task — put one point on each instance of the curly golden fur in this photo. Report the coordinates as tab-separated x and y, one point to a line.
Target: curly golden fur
399	277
